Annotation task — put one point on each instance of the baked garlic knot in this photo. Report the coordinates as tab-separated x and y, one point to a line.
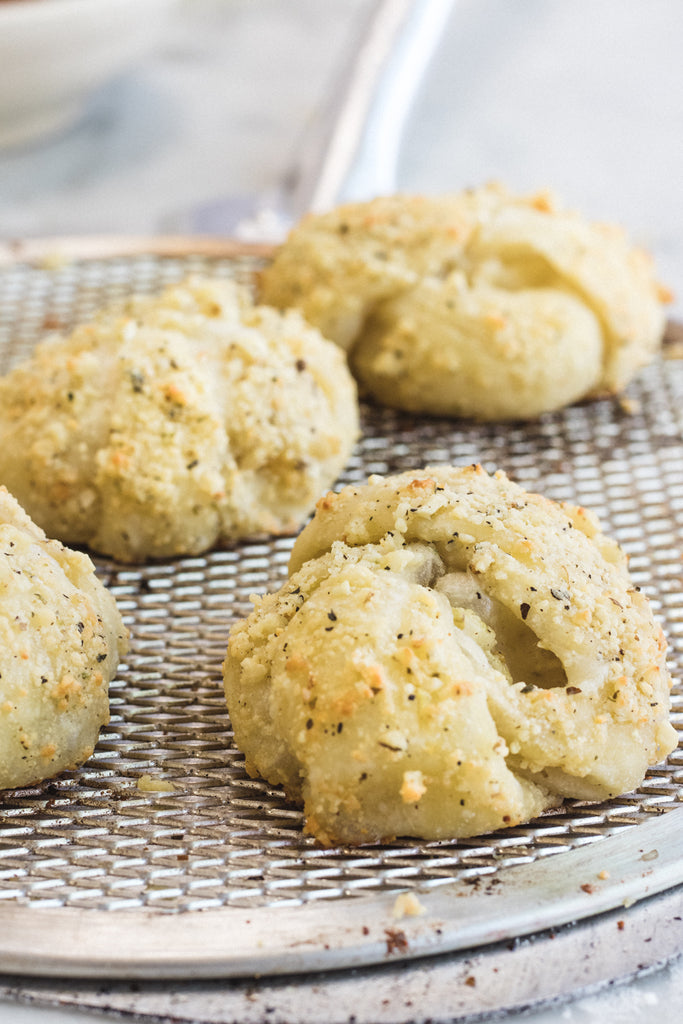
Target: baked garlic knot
450	655
61	637
177	423
481	304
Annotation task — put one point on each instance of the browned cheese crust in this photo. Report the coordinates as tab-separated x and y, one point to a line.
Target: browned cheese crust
177	423
450	655
61	637
482	304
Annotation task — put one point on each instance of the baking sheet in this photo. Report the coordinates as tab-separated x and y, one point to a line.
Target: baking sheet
221	855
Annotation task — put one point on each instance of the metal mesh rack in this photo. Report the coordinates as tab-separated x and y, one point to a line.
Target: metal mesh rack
214	838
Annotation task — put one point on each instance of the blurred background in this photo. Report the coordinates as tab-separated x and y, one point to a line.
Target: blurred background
202	99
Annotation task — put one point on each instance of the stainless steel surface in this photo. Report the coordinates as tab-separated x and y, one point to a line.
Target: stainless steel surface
314	937
486	984
218	863
351	149
357	157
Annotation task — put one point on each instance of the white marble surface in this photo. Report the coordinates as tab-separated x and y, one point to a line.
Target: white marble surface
584	97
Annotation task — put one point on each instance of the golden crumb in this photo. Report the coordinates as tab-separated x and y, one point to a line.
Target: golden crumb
147	784
631	406
413	786
407	904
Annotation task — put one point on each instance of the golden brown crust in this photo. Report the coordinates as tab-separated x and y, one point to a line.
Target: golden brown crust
61	637
450	655
177	423
482	304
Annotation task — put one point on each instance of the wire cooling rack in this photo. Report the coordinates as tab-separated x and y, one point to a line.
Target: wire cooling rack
208	838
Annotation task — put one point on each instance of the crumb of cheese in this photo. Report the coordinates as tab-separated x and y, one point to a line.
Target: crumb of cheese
407	905
146	784
413	787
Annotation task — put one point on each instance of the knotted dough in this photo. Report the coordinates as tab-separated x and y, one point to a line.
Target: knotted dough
481	304
450	655
176	423
61	636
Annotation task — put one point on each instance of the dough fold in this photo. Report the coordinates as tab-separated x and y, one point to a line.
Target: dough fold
450	655
481	304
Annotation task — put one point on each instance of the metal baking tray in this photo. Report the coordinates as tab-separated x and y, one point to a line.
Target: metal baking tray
212	876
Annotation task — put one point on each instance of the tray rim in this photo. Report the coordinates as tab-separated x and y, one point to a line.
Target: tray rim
234	942
616	871
45	250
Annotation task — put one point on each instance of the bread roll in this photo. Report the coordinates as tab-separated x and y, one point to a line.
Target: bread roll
482	304
177	423
450	655
61	637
